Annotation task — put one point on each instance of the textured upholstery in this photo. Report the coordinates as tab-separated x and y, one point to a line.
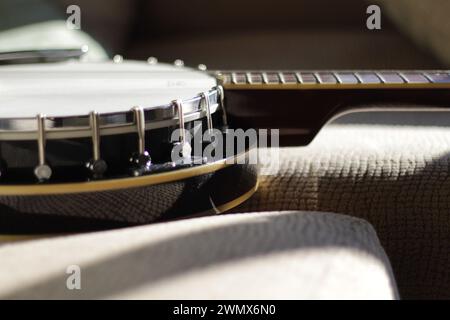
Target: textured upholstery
395	177
277	255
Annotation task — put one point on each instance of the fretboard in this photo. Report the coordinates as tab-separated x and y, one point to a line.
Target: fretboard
300	103
333	79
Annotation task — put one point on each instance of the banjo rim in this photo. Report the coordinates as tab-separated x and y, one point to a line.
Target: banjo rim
110	123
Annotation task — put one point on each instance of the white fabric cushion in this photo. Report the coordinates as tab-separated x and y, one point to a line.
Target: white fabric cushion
276	255
395	177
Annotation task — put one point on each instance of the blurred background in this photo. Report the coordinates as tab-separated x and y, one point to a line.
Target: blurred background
248	34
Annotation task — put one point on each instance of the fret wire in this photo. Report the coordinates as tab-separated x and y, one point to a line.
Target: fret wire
362	77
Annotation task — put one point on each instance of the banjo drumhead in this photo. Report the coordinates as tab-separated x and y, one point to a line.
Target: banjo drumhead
77	88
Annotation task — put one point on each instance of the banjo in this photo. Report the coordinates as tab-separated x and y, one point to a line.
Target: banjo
93	145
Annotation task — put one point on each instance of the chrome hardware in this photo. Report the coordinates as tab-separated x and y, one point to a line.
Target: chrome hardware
19	129
179	106
185	147
265	78
117	58
96	166
140	161
39	56
223	78
94	125
206	104
85	48
93	122
152	60
178	63
139	119
42	171
221	98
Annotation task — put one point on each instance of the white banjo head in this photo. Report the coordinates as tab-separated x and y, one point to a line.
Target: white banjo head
77	88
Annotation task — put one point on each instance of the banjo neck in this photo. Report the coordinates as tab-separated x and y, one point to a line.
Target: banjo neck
300	103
